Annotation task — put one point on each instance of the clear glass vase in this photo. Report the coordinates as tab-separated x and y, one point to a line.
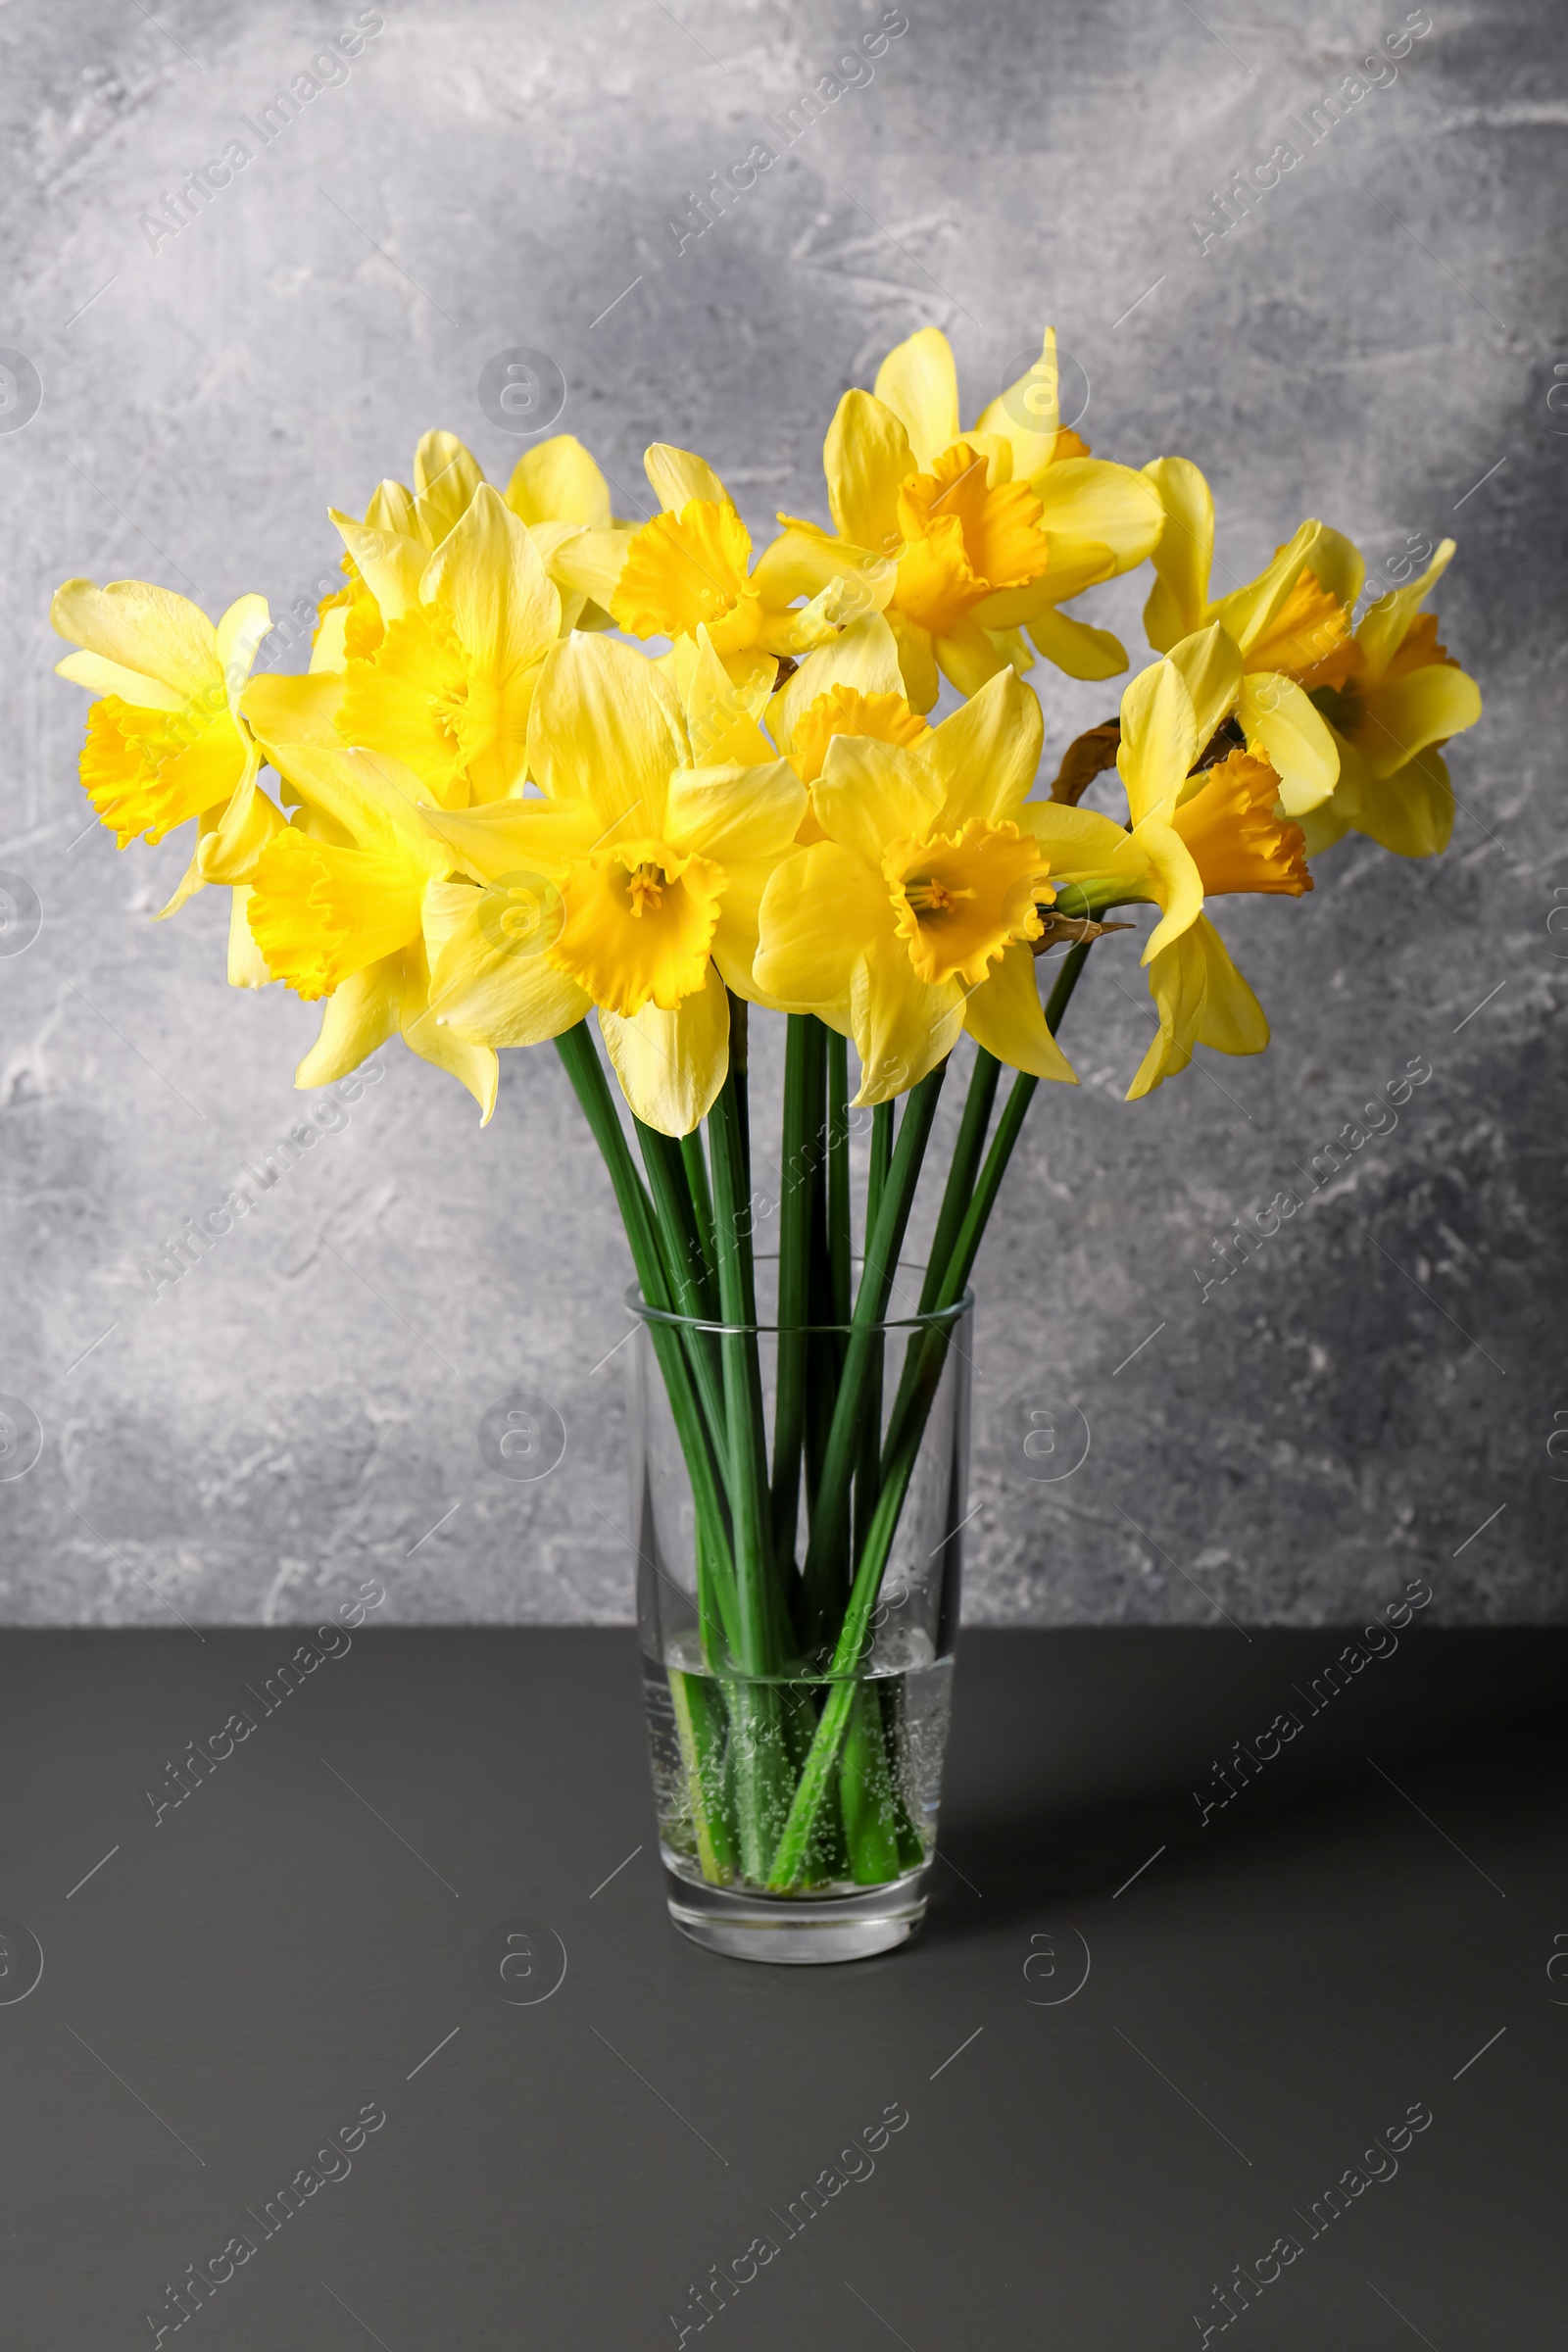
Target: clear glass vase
797	1805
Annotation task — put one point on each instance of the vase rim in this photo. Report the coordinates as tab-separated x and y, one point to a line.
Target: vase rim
938	1319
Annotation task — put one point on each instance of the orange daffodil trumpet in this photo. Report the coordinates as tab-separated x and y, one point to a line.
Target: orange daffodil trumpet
1291	626
1191	834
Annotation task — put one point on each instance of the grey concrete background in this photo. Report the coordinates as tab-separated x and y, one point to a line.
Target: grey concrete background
301	1410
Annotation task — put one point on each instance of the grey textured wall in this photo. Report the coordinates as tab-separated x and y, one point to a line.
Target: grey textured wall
301	1410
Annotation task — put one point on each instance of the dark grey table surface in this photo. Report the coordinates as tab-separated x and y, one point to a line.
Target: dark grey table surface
1319	2033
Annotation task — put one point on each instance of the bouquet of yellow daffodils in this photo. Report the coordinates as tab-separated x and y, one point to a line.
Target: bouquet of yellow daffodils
490	819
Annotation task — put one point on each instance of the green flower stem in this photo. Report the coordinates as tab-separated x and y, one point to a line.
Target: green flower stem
693	1293
825	1348
803	1070
866	1793
691	1152
838	1175
692	1286
867	1468
825	1559
966	1149
699	1730
816	1775
583	1068
883	1122
743	1386
897	1468
955	1276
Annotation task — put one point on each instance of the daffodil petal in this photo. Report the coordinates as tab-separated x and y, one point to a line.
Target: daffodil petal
228	851
1183	554
865	658
488	576
374	798
903	1026
1335	563
102	676
919	383
1401	716
329	653
1200	998
510	837
391	563
922	682
560	482
721	712
806	561
1091	501
1004	1015
1411	811
1158	739
591	562
1082	846
865	457
1248	613
294	708
247	966
487	992
819	907
734	812
362	1013
1027	417
1075	648
968	656
1383	628
237	635
868	795
671	1065
678	475
474	1066
1283	726
392	509
981	761
446	483
606	729
1210	663
143	628
1178	885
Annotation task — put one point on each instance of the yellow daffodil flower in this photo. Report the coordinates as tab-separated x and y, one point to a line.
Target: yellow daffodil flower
962	539
1291	626
690	567
1191	836
168	740
631	885
1391	708
447	688
912	919
853	686
351	901
556	490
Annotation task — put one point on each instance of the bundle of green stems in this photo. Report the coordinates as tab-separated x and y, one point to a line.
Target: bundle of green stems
784	1740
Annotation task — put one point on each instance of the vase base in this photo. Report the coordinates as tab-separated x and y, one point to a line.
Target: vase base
793	1931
